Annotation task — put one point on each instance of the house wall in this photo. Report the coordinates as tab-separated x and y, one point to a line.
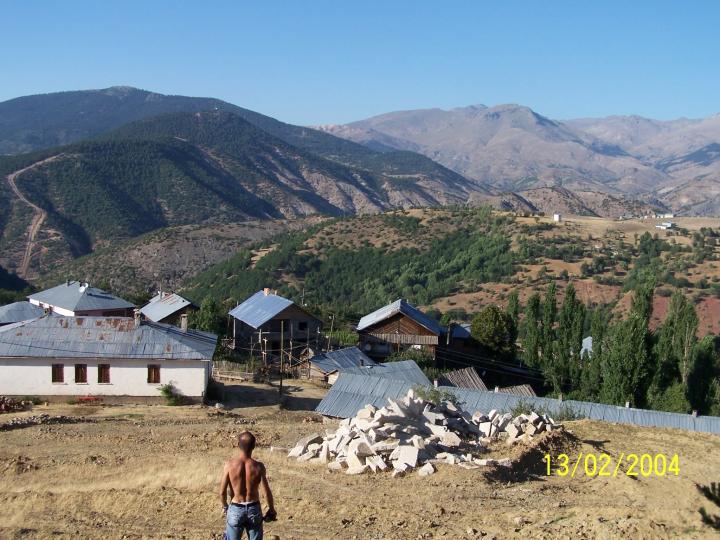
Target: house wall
128	377
293	317
395	333
87	313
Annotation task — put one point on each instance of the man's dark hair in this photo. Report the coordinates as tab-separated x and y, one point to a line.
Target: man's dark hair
246	442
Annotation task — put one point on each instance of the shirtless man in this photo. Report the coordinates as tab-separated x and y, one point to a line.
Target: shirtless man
243	475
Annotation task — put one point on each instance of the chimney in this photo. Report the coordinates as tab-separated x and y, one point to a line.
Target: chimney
183	322
266	290
136	314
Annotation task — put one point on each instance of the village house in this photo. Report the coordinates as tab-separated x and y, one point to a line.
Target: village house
123	359
327	366
396	327
167	307
76	299
266	324
19	311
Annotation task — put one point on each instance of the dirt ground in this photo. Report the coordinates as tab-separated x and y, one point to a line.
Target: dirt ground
152	472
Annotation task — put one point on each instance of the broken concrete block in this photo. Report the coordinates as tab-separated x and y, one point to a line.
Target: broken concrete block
307	456
530	429
434	417
353	460
357	470
450	439
479	417
512	431
435	429
417	441
324	455
426	470
533	417
452	459
485	428
360	447
297	451
335	466
367	412
407	455
468	465
504	462
492	414
397	473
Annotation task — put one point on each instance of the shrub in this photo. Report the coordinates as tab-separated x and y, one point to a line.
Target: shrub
171	394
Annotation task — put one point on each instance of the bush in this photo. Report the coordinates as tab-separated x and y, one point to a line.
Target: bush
435	396
171	394
32	399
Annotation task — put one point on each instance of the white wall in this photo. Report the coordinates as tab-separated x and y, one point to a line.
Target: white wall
33	377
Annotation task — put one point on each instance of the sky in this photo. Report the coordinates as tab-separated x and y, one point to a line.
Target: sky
329	62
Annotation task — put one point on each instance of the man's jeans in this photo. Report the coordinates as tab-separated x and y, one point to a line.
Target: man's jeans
244	517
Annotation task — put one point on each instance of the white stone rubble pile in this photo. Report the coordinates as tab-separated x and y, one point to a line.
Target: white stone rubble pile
412	433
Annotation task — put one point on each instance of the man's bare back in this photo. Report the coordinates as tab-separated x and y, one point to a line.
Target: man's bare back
245	475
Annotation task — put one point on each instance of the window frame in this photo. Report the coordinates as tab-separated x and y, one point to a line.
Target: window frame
153	369
53	373
100	370
84	368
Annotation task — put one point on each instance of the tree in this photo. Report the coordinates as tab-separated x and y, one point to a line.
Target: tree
208	318
532	338
492	328
591	371
566	363
549	314
513	310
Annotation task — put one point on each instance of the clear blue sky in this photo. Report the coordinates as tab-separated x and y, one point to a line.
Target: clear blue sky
312	62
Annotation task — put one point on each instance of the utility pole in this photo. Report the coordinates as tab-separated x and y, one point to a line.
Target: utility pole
332	322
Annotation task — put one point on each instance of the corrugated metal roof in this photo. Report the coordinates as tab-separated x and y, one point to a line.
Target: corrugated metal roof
405	370
341	360
351	392
260	308
106	337
399	306
463	378
19	311
519	390
163	305
74	296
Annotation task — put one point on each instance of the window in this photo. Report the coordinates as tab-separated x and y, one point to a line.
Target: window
153	374
104	373
58	373
80	373
302	326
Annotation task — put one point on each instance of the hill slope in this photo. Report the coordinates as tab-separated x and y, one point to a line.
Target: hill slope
191	168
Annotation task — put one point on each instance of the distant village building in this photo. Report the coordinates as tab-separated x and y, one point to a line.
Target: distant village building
327	366
266	324
396	327
665	225
74	299
101	356
557	218
167	307
19	311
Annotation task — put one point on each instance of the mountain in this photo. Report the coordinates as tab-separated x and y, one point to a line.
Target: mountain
511	147
192	168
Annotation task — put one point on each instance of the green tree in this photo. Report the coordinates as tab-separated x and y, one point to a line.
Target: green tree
591	372
532	336
208	318
513	310
566	363
547	328
492	328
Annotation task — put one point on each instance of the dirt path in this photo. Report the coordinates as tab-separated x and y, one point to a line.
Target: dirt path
38	218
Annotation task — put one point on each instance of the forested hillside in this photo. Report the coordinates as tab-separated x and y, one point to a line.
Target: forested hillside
190	168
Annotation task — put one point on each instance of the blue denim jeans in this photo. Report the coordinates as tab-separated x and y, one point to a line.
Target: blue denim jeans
244	517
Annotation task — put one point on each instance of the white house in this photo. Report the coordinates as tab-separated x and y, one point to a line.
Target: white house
78	356
74	299
557	218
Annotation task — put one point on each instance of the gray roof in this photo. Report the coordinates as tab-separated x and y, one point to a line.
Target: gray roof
519	390
400	306
351	392
463	378
163	305
405	370
103	337
260	308
75	296
341	360
19	311
586	345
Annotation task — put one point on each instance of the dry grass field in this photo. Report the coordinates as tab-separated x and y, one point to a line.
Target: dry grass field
152	472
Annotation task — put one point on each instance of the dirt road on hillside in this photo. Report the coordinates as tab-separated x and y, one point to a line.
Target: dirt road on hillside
38	218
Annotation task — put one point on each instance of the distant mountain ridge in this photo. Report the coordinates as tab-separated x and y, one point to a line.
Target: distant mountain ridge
194	167
512	147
